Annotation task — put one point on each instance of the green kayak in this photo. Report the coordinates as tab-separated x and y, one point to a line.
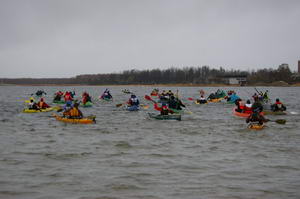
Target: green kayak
176	111
269	112
165	117
87	104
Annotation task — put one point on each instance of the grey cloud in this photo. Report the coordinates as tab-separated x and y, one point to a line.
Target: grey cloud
61	38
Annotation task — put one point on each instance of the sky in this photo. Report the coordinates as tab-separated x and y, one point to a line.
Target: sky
65	38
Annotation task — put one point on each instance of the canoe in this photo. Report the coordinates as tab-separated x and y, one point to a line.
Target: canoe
75	121
245	115
88	104
165	117
58	102
132	108
38	111
215	100
256	126
269	112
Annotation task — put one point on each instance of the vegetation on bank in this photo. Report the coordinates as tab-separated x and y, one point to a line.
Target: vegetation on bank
186	76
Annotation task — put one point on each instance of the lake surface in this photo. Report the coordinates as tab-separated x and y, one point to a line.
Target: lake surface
126	155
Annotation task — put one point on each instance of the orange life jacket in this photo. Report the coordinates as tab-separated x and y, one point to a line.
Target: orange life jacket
74	112
40	104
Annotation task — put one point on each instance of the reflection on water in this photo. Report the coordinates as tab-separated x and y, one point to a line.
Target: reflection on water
209	154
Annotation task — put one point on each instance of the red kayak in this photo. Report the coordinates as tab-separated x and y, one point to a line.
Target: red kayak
154	94
245	115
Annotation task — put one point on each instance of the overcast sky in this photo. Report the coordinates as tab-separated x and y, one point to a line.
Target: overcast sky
64	38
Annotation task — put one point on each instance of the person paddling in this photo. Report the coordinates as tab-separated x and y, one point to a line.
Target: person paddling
164	109
32	105
278	106
248	107
256	117
202	100
42	104
133	101
74	112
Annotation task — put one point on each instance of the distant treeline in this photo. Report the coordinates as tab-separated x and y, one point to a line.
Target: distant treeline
187	75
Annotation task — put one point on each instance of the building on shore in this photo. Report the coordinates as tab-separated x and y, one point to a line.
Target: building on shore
235	79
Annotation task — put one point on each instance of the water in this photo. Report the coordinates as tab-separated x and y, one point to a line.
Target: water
126	155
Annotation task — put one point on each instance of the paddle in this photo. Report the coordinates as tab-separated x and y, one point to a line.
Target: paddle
92	117
279	121
147	97
190	98
118	105
144	106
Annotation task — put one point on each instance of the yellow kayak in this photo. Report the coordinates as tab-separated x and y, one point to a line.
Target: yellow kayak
256	126
88	120
215	100
38	111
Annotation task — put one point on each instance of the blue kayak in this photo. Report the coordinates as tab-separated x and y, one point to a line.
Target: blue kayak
132	108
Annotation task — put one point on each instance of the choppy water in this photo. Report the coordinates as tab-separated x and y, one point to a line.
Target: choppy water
209	154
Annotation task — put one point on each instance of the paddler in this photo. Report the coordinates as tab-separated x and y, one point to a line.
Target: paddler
164	109
240	105
256	117
133	101
202	100
86	98
68	96
278	106
257	106
32	105
58	96
248	107
42	104
74	112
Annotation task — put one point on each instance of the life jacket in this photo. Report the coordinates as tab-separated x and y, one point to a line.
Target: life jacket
278	104
247	108
41	104
74	112
68	97
134	101
164	110
241	105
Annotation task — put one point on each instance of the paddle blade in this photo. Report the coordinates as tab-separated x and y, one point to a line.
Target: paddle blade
118	105
280	121
147	97
191	99
145	106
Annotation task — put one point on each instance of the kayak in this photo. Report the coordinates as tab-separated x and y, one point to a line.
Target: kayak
87	104
198	102
38	111
176	110
58	102
75	121
242	114
132	108
154	94
165	117
106	99
215	100
269	112
256	126
126	91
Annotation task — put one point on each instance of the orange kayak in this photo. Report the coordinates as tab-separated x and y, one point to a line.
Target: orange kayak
245	115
